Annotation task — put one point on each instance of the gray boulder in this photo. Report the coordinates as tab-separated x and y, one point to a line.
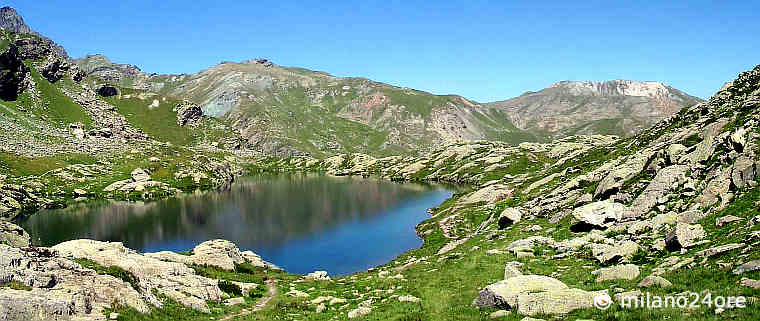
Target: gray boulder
13	235
509	216
684	236
504	294
600	214
617	272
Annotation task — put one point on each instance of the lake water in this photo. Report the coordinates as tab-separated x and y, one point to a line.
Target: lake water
301	223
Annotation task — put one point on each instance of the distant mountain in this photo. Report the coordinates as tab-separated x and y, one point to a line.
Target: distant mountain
617	107
11	20
286	110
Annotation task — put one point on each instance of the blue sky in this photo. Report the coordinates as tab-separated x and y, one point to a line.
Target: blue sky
483	50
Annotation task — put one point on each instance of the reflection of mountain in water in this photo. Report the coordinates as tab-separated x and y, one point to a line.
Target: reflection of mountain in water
264	211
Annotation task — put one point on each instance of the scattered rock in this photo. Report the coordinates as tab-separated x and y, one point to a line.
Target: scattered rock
654	280
359	312
720	249
498	314
726	219
748	267
408	298
755	284
297	294
234	301
318	276
618	272
512	269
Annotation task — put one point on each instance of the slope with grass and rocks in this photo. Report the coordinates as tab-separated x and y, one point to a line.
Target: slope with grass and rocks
544	230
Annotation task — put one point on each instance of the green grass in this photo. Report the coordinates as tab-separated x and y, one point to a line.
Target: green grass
114	271
58	107
15	285
24	166
160	122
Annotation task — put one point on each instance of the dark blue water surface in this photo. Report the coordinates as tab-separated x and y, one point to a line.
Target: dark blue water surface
301	223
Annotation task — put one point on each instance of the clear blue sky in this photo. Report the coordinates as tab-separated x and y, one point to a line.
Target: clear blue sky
482	50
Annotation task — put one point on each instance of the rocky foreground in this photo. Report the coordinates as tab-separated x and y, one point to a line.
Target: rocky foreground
60	283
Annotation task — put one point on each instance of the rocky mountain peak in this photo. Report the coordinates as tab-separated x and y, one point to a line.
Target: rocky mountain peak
11	20
618	87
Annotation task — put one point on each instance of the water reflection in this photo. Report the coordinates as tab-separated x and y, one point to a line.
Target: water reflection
300	222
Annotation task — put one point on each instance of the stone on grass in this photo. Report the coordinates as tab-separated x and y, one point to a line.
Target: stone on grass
684	236
600	214
509	216
498	314
748	267
654	280
359	312
556	302
618	272
408	298
512	269
504	294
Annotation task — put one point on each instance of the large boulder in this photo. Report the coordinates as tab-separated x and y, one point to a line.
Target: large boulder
509	216
504	294
617	177
619	252
617	272
743	172
556	302
489	194
600	214
666	180
684	236
13	235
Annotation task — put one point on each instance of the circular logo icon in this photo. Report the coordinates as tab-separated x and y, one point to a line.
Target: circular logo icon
602	301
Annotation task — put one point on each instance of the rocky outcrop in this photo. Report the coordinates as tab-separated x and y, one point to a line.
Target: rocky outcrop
174	280
14	74
58	289
222	254
107	91
188	113
13	235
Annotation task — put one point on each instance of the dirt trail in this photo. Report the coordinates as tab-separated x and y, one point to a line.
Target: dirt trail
261	304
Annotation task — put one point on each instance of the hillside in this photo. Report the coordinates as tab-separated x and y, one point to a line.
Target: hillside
616	107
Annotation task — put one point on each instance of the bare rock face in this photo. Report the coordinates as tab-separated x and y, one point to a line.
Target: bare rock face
222	254
188	113
11	234
174	280
107	91
14	74
59	289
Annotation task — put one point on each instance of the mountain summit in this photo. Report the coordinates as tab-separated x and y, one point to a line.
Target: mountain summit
616	107
11	20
